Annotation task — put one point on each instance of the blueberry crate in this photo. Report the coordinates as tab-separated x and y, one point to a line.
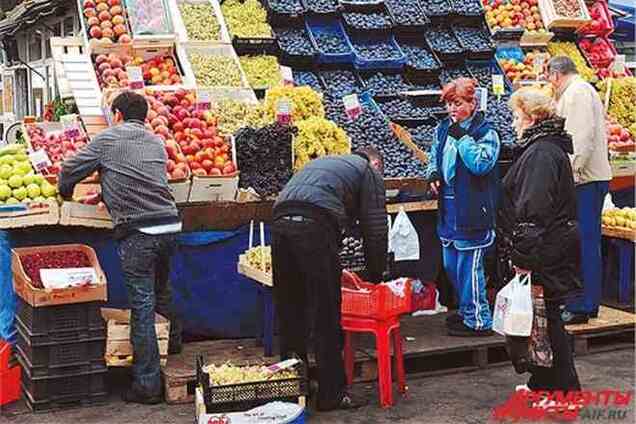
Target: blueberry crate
437	10
331	8
483	52
361	6
70	322
462	16
368	78
352	30
401	26
245	396
277	17
50	359
446	56
318	26
363	64
292	60
326	78
411	46
490	67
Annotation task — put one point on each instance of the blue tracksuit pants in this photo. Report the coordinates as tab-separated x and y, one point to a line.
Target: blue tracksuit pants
465	269
589	204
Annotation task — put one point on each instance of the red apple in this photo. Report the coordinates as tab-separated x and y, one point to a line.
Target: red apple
95	32
215	172
104	16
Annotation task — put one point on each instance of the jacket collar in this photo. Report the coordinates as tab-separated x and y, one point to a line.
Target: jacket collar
551	130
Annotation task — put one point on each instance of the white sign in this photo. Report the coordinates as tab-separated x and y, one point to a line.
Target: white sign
71	126
618	66
498	88
67	277
40	160
287	74
481	97
283	111
352	106
204	100
135	77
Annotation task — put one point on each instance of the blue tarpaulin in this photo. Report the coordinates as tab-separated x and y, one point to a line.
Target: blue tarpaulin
214	300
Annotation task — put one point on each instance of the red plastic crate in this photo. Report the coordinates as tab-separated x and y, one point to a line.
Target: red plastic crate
374	301
587	47
5	354
605	26
10	385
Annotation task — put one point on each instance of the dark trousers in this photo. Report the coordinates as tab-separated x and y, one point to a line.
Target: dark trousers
307	294
145	262
562	375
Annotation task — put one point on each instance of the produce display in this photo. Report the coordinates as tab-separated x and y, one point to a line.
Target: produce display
260	257
620	218
514	14
407	12
423	136
598	51
559	48
474	40
332	43
450	73
379	83
294	41
318	137
322	6
352	254
619	138
376	49
367	21
307	78
246	18
515	70
227	374
467	7
287	7
418	56
111	70
264	156
234	114
622	104
498	113
601	20
400	109
436	7
340	83
200	21
33	263
262	71
215	70
305	102
18	182
105	21
569	8
57	144
149	17
442	39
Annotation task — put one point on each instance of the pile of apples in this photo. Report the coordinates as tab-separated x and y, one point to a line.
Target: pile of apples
513	14
515	70
619	138
622	218
190	135
58	145
106	21
601	22
598	51
111	70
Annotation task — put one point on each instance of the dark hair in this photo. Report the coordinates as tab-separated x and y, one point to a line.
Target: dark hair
132	106
372	154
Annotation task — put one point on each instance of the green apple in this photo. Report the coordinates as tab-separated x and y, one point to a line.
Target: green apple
20	193
5	192
6	171
7	160
21	157
28	179
33	190
48	190
12	201
15	181
22	168
39	199
38	179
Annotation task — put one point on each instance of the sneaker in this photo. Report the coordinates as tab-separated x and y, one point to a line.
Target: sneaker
132	396
522	388
459	329
454	317
570	318
347	401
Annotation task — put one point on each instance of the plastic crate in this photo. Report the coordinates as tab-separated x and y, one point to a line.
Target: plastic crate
373	301
9	385
296	60
406	27
333	12
483	53
279	18
244	396
317	25
49	405
57	359
361	32
366	64
603	16
407	43
442	15
447	57
66	388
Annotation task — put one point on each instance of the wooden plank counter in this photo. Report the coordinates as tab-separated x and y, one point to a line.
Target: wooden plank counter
620	233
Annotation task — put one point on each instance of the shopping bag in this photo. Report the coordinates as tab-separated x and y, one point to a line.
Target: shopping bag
403	239
513	308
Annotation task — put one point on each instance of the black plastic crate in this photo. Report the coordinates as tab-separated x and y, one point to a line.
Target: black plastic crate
352	30
331	8
59	359
65	388
50	320
49	405
245	396
280	18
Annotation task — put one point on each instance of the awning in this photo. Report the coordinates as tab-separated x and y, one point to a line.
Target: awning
28	13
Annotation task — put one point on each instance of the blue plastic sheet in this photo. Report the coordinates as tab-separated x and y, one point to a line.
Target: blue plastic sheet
7	297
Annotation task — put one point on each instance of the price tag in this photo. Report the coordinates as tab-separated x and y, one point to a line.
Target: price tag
352	106
498	87
204	100
481	98
135	77
538	64
71	126
40	160
67	277
618	66
284	111
287	74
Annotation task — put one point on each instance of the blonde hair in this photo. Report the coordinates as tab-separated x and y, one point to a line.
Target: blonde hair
534	103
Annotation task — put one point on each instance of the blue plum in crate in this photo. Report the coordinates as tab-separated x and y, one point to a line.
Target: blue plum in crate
467	7
367	21
407	12
307	78
442	39
419	57
423	135
450	73
340	83
498	113
384	84
332	43
483	74
294	41
403	109
322	6
371	129
474	39
436	7
287	7
376	50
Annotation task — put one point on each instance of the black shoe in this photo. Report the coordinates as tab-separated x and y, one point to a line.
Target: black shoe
459	329
570	318
132	396
347	401
454	317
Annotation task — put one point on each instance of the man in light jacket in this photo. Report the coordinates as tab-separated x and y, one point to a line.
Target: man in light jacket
580	105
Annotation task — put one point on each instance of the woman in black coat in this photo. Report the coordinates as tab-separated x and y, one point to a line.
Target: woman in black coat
537	224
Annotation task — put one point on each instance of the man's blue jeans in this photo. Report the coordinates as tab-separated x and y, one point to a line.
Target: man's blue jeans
589	205
145	262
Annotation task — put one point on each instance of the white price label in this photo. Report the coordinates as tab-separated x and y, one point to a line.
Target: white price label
71	125
498	87
40	160
67	277
618	66
135	77
352	106
204	100
287	74
283	111
538	64
481	97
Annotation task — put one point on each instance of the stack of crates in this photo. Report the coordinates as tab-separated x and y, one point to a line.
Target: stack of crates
61	351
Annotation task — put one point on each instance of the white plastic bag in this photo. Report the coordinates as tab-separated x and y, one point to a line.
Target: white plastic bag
404	241
513	308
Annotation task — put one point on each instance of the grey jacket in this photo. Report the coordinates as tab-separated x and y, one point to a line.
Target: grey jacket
131	162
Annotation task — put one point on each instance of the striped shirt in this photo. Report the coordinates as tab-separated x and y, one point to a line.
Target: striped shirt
131	162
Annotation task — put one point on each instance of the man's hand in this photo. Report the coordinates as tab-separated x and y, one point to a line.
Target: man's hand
435	187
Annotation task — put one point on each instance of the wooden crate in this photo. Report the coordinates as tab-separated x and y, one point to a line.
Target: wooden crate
620	233
37	297
119	350
244	268
225	215
552	20
81	215
535	38
425	205
32	215
180	26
